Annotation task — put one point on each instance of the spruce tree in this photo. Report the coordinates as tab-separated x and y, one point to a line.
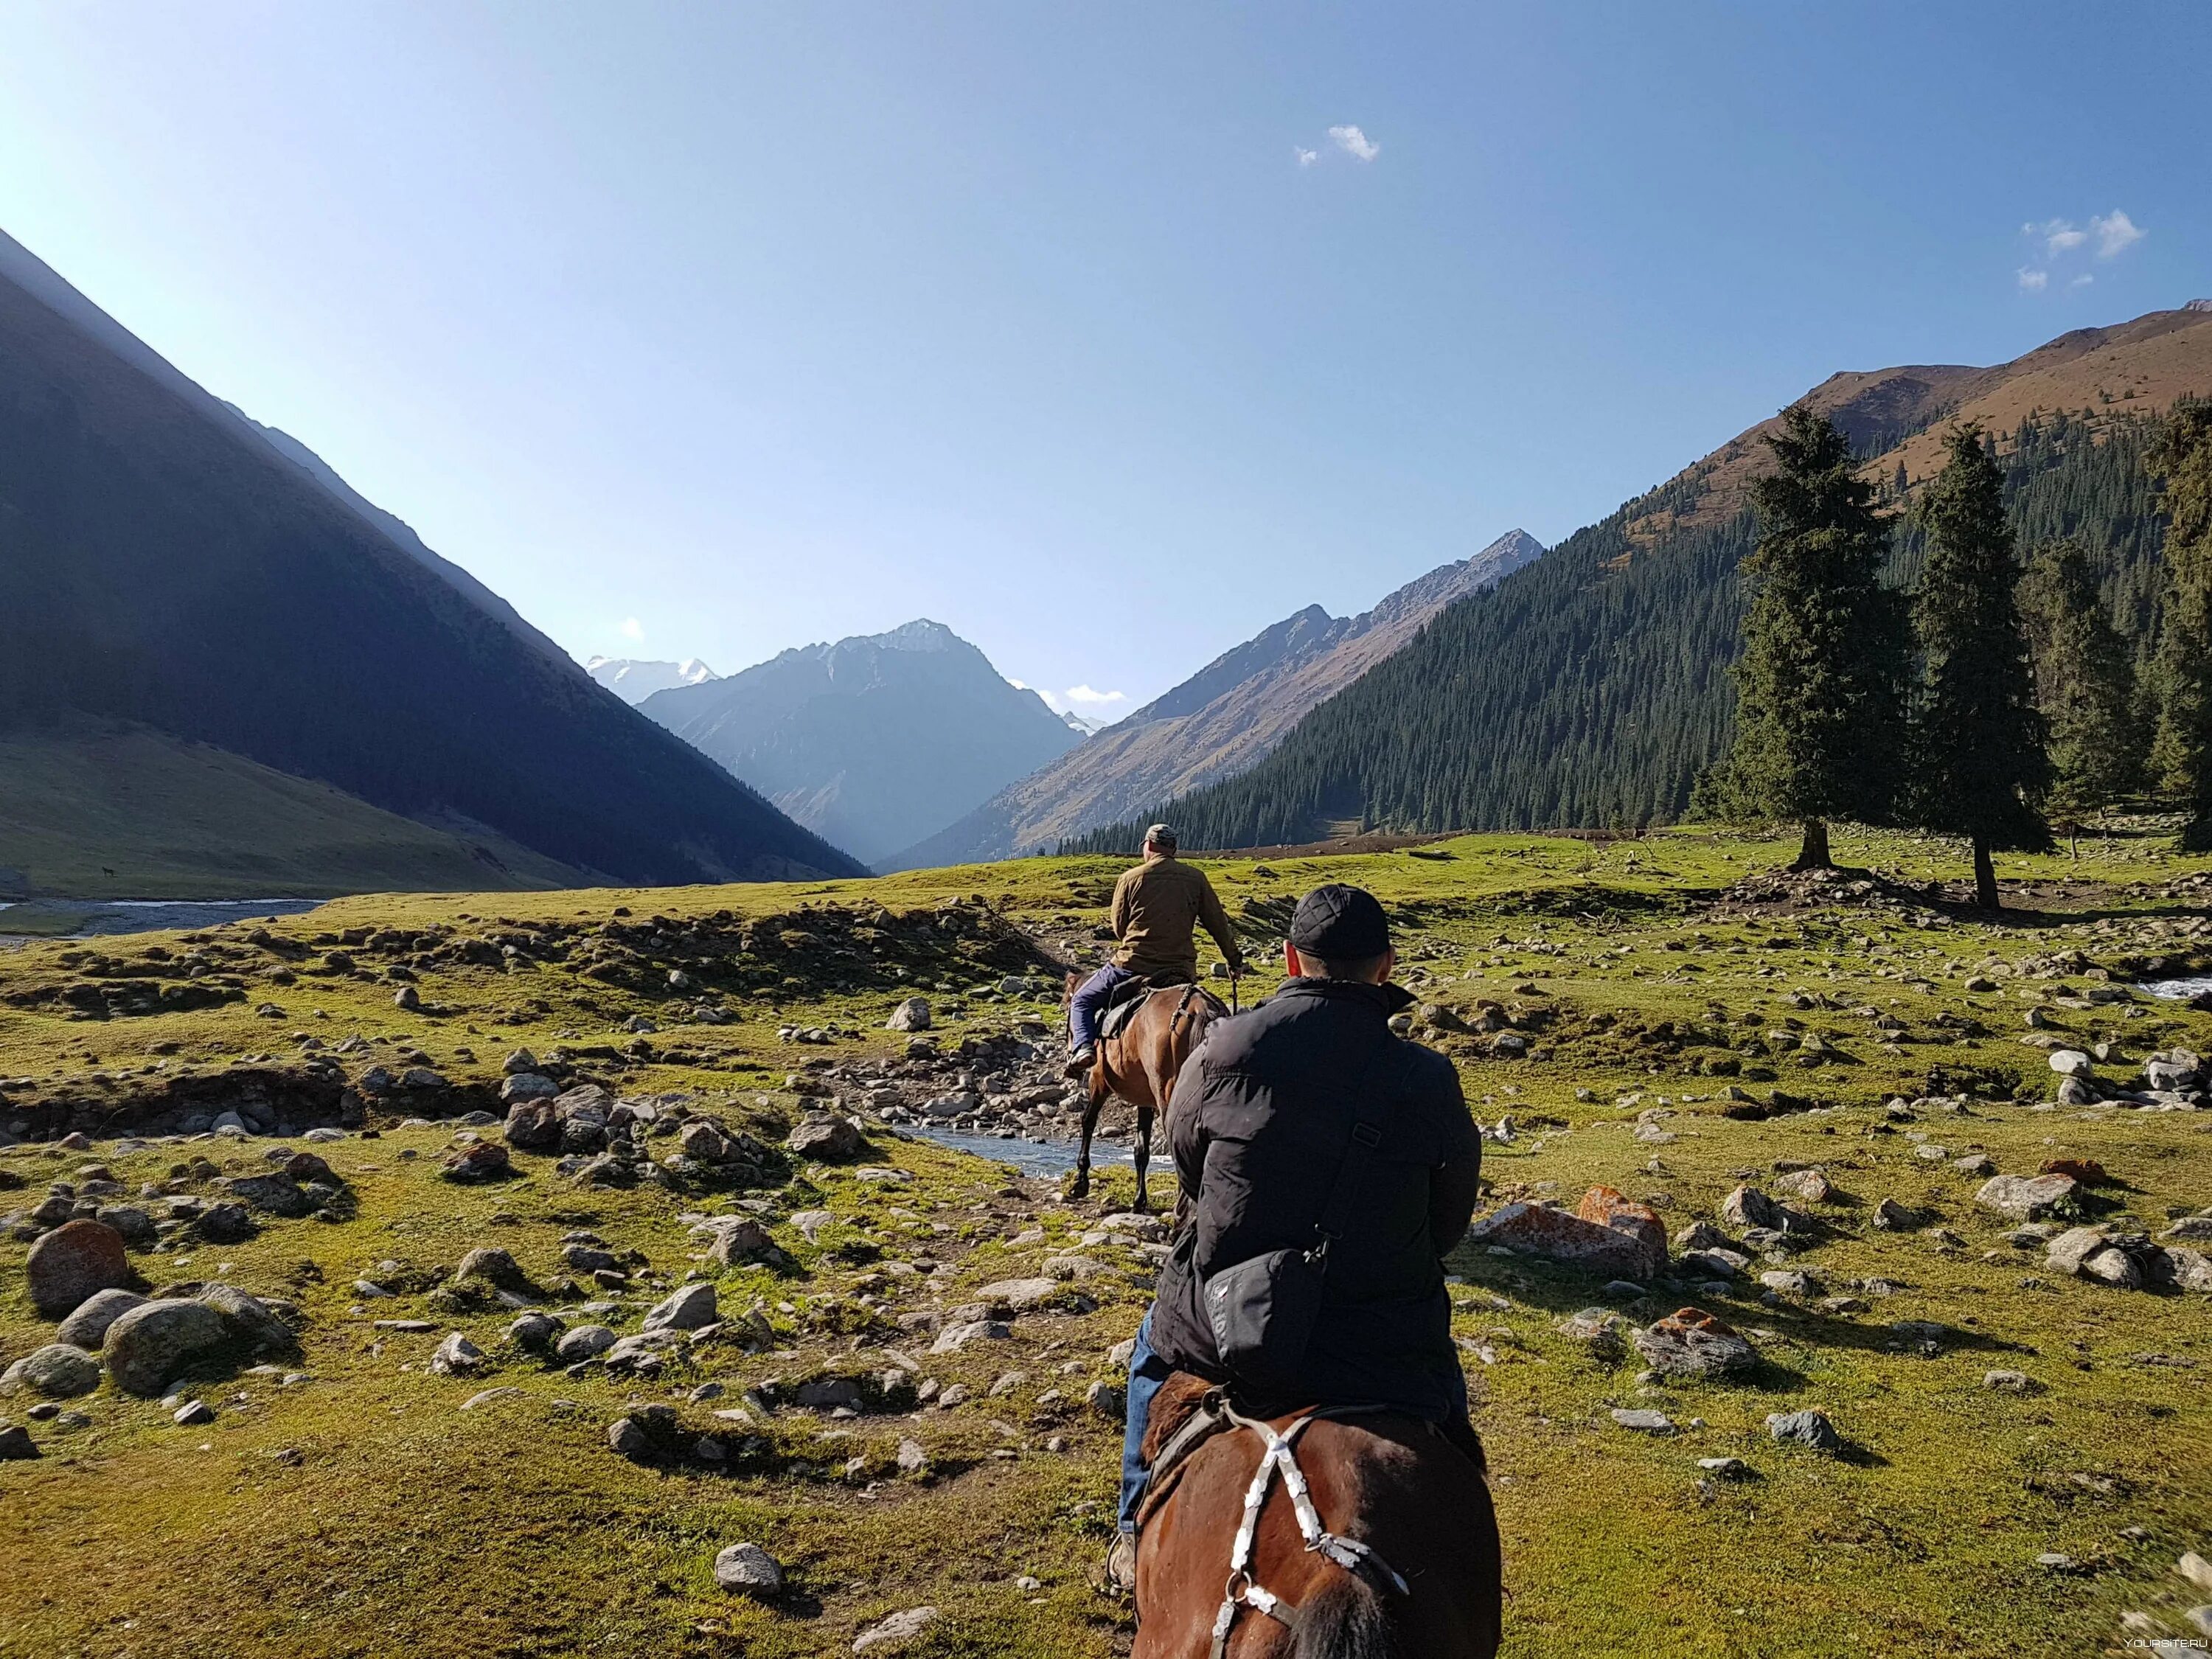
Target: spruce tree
1978	765
2085	684
2182	460
1819	702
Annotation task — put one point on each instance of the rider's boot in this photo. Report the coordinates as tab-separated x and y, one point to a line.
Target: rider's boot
1121	1571
1081	1061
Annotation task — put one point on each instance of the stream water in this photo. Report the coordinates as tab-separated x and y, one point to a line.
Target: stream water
1030	1157
97	916
2178	990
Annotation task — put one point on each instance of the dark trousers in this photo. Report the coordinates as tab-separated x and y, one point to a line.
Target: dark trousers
1089	1002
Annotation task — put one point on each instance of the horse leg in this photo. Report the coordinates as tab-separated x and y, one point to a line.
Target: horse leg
1144	1159
1093	1102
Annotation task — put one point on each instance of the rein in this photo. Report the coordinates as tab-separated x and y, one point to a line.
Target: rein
1243	1591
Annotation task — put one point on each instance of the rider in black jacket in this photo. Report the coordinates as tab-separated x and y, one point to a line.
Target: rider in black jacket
1261	1126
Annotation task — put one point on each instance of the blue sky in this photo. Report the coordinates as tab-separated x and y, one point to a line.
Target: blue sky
1106	335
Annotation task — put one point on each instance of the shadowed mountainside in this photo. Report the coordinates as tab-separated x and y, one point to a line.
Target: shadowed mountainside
163	561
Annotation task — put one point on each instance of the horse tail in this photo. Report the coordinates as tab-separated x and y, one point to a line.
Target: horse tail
1347	1618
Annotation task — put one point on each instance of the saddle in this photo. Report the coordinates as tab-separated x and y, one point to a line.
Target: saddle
1123	1001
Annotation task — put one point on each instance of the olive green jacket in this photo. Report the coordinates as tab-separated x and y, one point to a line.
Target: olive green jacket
1157	907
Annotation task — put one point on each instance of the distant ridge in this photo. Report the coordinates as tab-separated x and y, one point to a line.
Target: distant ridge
871	741
633	681
1221	719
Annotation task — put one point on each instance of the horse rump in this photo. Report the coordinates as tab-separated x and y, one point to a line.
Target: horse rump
1347	1618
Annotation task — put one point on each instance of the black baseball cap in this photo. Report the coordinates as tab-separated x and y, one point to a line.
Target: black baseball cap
1338	923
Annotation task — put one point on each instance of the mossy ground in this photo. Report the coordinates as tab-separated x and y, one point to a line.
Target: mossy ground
364	1513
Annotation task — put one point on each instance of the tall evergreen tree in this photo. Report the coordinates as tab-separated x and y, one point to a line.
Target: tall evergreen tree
1820	690
2182	460
2085	684
1978	759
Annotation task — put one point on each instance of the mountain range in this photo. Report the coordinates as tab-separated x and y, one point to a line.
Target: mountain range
633	681
1219	721
168	565
872	741
1592	688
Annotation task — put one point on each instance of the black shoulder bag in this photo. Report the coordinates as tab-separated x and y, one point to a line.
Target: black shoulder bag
1263	1312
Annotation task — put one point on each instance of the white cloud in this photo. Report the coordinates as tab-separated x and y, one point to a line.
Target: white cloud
2034	282
2057	235
2082	281
1084	694
632	629
1355	143
1306	157
2114	231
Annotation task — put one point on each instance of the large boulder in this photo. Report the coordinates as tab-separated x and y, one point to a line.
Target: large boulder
151	1344
270	1194
829	1138
912	1015
249	1320
736	1241
60	1371
2027	1198
1690	1342
495	1267
519	1086
533	1125
584	1112
1635	1248
87	1327
688	1309
1747	1207
71	1263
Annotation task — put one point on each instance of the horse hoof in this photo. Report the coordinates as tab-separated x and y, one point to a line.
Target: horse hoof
1081	1189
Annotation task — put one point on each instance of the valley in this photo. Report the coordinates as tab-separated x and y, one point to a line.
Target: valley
891	1365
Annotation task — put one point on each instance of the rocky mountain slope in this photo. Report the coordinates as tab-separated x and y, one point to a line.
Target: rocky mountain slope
1593	688
169	564
1216	723
875	741
633	681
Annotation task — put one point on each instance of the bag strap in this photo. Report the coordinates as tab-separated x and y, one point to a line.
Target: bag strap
1366	1139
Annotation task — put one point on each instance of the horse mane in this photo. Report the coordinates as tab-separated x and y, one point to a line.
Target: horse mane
1346	1619
1175	1405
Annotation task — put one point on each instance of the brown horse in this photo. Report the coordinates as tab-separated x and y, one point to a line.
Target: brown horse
1139	1063
1389	1494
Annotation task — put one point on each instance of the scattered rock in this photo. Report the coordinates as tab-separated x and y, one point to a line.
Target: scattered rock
192	1414
912	1015
954	1338
895	1632
2027	1198
489	1396
59	1372
88	1326
2071	1062
456	1356
15	1444
480	1160
153	1342
1690	1342
70	1264
249	1320
1805	1428
2010	1382
585	1342
690	1308
1607	1235
749	1570
830	1139
495	1267
1643	1421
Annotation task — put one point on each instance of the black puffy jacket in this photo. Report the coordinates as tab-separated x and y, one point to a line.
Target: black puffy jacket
1259	1125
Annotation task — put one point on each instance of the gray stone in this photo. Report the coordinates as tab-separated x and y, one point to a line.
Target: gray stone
2071	1062
88	1326
2025	1198
1693	1343
1020	1294
70	1264
193	1414
749	1570
1726	1468
248	1319
59	1371
536	1332
954	1338
2066	1253
16	1443
690	1308
626	1439
154	1341
1643	1421
912	1458
912	1015
526	1086
2010	1382
896	1631
489	1396
1805	1428
456	1356
495	1267
585	1342
830	1139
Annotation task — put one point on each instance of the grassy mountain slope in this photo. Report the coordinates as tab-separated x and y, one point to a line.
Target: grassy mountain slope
1216	724
92	811
1592	688
163	564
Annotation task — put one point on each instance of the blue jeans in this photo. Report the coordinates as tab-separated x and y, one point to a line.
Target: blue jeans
1089	999
1147	1370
